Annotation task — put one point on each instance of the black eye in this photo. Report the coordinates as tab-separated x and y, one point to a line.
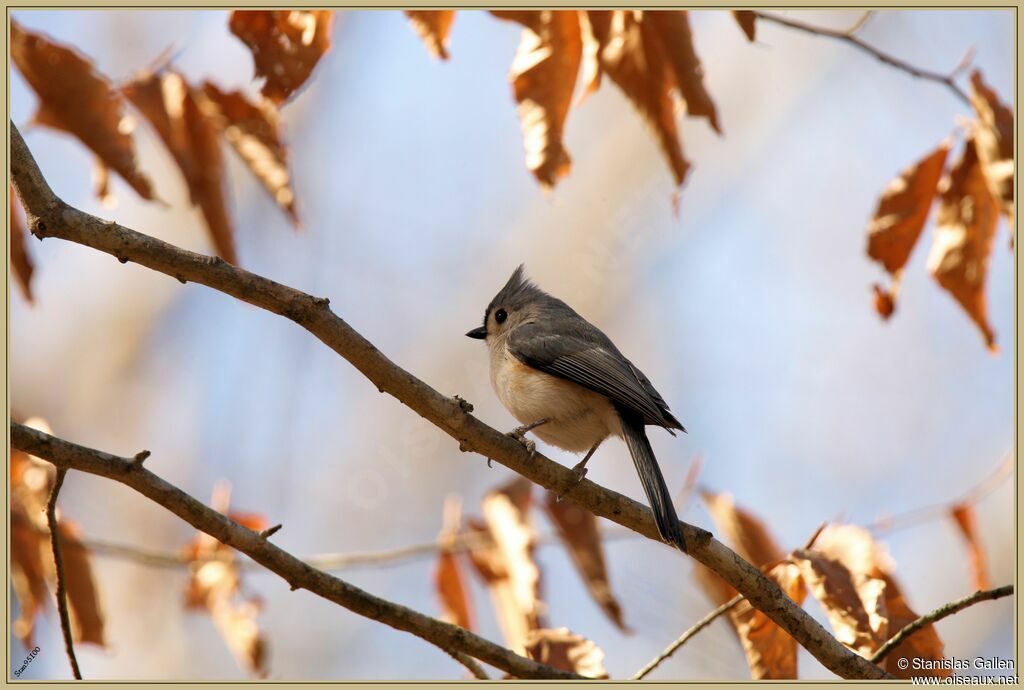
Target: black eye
500	316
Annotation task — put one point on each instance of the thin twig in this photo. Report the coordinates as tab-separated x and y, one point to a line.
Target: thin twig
946	80
58	563
470	663
937	615
814	537
934	511
270	531
861	22
685	637
339	561
331	562
708	619
50	216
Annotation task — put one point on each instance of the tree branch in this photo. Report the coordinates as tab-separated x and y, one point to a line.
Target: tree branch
709	618
685	637
50	216
66	455
470	663
937	615
58	565
849	36
934	511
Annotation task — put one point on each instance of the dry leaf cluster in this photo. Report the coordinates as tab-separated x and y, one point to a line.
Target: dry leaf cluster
214	579
971	195
851	576
190	120
32	567
501	554
564	55
843	567
215	586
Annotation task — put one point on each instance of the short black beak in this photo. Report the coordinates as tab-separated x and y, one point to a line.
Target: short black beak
479	333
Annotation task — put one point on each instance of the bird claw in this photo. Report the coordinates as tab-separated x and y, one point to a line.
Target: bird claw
519	434
580	471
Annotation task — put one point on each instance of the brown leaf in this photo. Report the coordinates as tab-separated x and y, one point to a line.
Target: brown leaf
846	601
21	262
718	590
32	564
257	522
28	574
254	131
236	622
673	28
853	547
508	567
433	27
632	55
590	69
449	581
903	210
994	138
747	20
31	555
215	586
286	46
170	105
690	482
964	516
744	530
543	79
771	653
561	648
452	591
924	644
899	220
857	550
966	227
885	301
83	595
75	98
101	184
578	530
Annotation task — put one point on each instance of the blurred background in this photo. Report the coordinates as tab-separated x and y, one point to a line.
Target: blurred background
751	311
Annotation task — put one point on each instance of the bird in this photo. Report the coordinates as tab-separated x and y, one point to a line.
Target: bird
567	383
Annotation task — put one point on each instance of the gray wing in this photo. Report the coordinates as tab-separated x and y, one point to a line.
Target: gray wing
588	358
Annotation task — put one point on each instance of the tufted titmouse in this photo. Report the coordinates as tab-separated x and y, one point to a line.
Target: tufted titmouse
568	383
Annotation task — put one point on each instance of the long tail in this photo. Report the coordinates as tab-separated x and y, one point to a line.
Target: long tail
652	479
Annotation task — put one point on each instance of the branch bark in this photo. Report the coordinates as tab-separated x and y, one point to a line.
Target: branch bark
450	638
50	216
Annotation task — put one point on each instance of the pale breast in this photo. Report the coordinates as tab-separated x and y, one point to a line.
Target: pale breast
579	417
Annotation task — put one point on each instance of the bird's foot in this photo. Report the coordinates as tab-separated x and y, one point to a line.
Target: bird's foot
580	470
519	434
530	446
